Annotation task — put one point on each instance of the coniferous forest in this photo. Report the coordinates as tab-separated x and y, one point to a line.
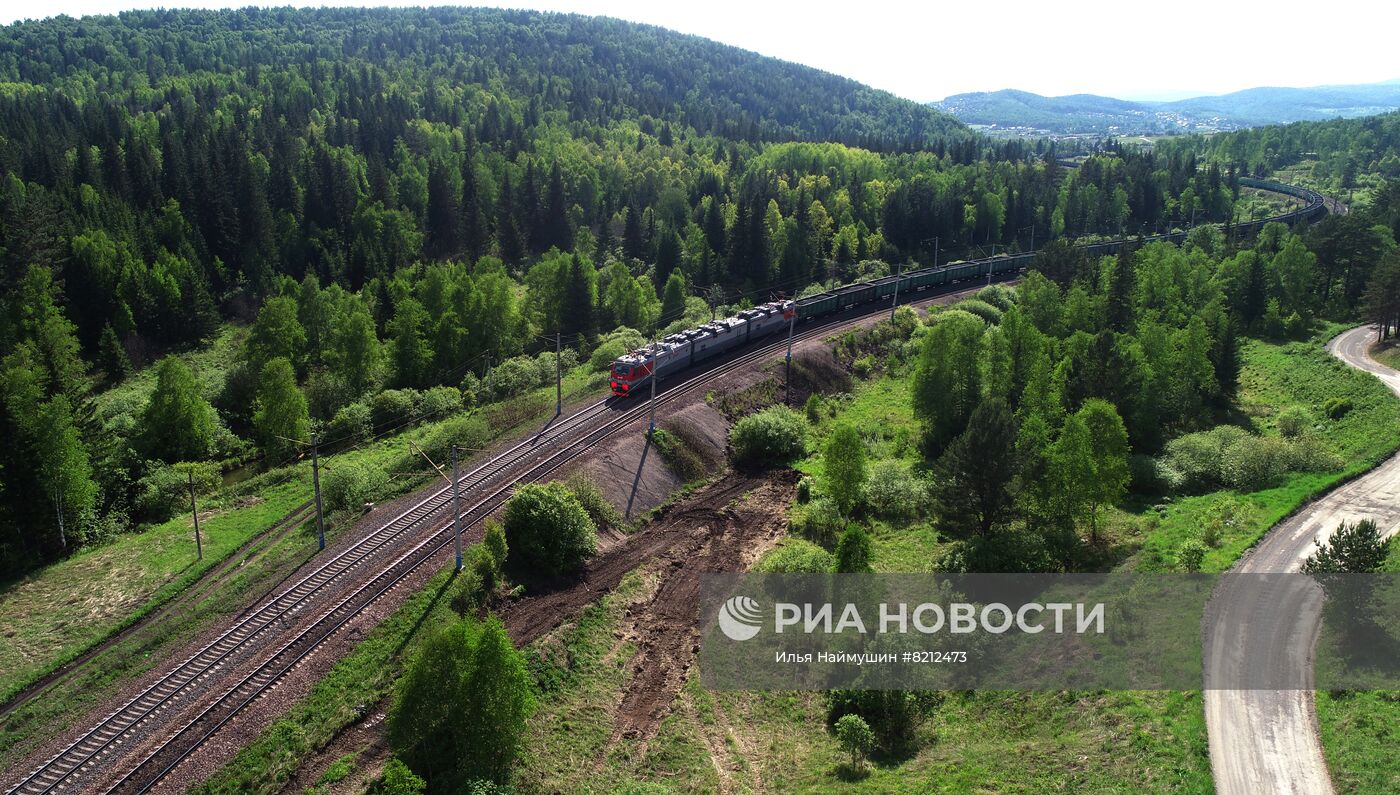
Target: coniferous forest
390	197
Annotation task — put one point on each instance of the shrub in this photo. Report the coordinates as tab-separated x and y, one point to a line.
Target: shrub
981	309
1190	556
350	484
1292	421
853	553
602	512
440	401
804	488
394	407
775	435
855	737
544	364
814	408
892	715
821	521
998	295
353	423
1254	462
471	433
548	530
892	492
397	779
796	556
1308	452
1336	407
470	387
514	376
613	345
326	393
1197	459
164	491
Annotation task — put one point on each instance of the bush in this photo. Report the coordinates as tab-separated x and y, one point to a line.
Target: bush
822	521
998	295
439	401
613	345
350	484
804	489
397	779
1190	556
353	423
892	715
470	387
775	435
1254	462
1197	459
326	393
795	556
544	364
814	408
164	491
1308	452
1292	421
855	737
394	407
548	530
892	492
602	512
981	309
512	377
471	433
1336	407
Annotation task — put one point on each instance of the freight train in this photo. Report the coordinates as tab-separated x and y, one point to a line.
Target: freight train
682	349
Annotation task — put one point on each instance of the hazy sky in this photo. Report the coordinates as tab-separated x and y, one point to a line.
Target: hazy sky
927	50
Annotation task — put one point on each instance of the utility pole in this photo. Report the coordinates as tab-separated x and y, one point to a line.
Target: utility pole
655	376
893	304
456	512
194	511
935	251
316	481
990	263
558	378
787	373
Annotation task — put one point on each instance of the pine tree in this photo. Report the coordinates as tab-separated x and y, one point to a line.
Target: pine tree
508	235
632	234
974	476
112	356
412	354
474	232
668	256
673	302
579	298
444	212
558	232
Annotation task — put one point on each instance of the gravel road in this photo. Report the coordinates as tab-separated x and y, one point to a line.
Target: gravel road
1266	741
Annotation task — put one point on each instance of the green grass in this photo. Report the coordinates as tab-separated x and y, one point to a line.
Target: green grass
1387	353
209	362
1360	730
1274	377
61	610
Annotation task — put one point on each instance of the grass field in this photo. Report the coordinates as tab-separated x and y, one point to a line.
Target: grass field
1387	353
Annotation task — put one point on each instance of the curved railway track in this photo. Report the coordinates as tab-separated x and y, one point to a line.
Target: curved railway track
355	569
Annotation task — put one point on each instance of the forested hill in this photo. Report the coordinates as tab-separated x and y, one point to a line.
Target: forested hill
393	197
599	69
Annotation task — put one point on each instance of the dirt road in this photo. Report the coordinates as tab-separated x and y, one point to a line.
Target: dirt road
1266	741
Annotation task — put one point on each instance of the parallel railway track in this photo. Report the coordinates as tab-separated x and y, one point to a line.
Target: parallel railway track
540	456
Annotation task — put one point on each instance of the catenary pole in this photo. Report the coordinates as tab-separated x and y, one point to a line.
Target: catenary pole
558	377
194	511
456	512
893	304
316	482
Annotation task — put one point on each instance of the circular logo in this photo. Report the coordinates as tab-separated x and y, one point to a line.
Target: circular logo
739	618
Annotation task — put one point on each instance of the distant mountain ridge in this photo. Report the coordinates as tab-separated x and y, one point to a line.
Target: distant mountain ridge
1252	107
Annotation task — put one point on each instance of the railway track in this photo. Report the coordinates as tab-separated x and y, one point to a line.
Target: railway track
539	455
542	453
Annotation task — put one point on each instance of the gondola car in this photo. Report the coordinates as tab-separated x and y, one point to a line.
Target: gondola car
684	348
